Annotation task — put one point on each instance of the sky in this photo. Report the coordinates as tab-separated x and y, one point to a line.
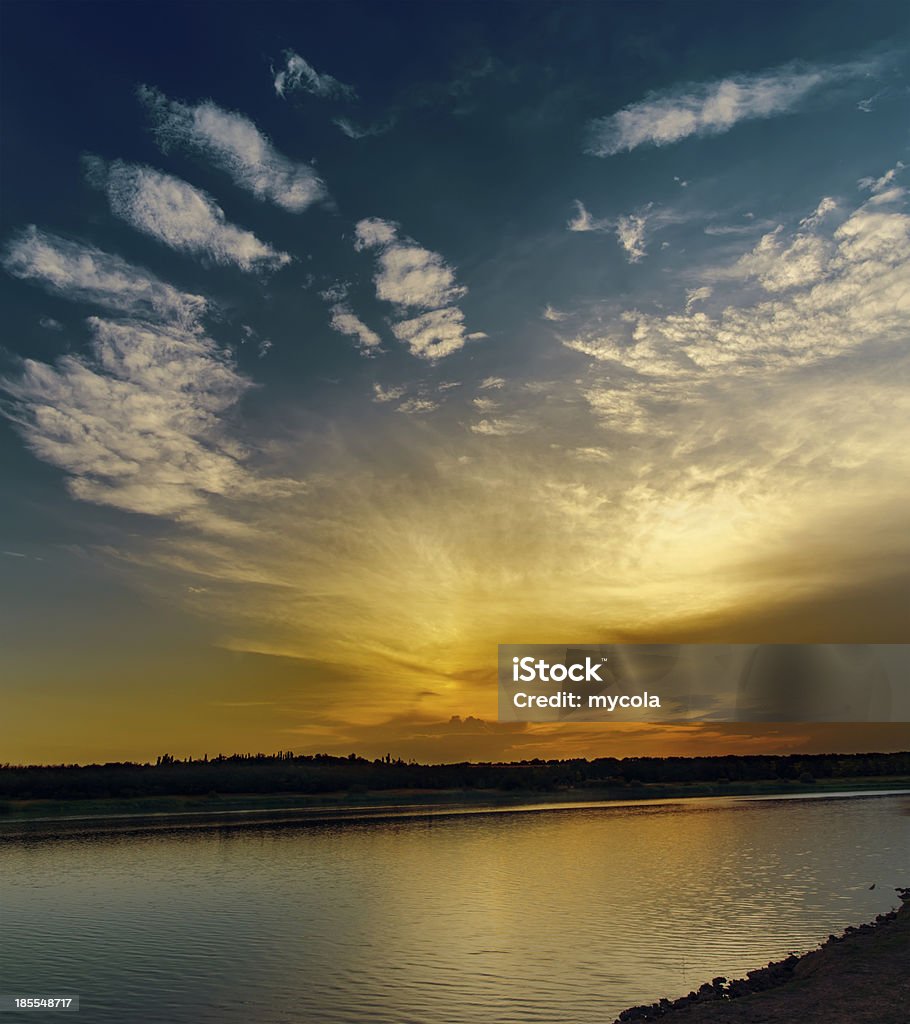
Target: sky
344	342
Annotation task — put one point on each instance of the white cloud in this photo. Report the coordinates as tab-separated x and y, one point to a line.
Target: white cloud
868	104
749	228
492	383
233	143
139	423
381	394
780	263
433	335
298	73
408	274
418	405
354	131
630	229
694	295
413	278
553	314
831	291
583	221
335	293
374	231
825	206
85	274
877	185
501	427
179	215
485	404
345	322
263	345
710	108
349	128
592	454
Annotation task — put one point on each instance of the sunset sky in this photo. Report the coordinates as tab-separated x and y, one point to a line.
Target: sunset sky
343	342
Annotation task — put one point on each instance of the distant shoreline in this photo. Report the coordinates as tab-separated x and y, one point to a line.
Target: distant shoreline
861	976
50	818
286	781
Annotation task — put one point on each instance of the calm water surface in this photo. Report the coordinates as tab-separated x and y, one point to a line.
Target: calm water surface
551	915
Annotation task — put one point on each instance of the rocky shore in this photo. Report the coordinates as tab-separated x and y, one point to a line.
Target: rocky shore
859	977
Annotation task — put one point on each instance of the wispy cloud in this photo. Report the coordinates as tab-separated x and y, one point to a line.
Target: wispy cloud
137	424
355	131
553	314
345	322
503	426
630	229
179	215
418	405
413	278
233	143
781	262
773	422
751	226
381	394
485	404
299	75
86	274
583	221
711	108
250	335
818	307
700	294
877	185
592	454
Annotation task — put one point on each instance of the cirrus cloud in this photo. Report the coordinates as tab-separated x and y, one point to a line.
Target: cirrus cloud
711	108
137	424
298	74
345	322
179	215
85	274
233	143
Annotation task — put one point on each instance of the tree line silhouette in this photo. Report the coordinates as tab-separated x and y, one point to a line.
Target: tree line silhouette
287	772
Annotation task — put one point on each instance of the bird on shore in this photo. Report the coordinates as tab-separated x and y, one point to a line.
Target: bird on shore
871	887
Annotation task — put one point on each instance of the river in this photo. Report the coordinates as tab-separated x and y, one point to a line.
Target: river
551	914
